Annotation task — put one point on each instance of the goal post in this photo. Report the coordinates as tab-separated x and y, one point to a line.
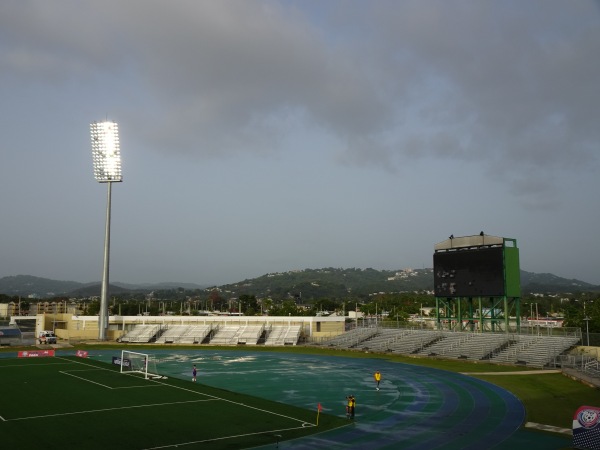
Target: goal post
138	363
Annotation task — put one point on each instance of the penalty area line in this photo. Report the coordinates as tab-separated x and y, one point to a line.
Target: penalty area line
237	403
85	379
181	444
107	409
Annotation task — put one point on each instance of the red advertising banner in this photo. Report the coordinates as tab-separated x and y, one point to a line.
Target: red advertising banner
586	428
81	353
36	354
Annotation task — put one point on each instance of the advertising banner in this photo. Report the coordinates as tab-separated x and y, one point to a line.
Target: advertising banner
36	353
117	360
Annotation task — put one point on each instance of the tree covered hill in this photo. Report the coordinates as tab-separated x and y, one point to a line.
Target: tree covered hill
333	283
344	283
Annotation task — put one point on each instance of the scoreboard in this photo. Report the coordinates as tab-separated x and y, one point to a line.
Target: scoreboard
470	272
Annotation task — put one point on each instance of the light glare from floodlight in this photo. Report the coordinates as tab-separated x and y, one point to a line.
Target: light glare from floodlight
106	153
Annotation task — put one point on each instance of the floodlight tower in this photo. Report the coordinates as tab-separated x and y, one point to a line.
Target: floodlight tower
106	156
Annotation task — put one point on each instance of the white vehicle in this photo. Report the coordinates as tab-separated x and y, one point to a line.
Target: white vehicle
47	337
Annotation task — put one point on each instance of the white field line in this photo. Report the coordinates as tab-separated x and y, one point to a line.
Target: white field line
2	366
103	385
84	364
181	444
85	379
106	409
95	368
240	404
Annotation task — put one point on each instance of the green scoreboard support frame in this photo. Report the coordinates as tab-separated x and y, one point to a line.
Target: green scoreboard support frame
477	284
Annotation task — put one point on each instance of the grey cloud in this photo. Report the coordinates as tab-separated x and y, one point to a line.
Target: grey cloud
509	84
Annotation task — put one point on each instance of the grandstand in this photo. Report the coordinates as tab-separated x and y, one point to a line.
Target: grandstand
237	334
175	329
141	333
535	351
352	338
283	335
184	334
226	335
405	342
232	334
250	334
531	350
540	348
246	334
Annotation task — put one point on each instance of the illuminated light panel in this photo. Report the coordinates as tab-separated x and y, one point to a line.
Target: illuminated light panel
106	153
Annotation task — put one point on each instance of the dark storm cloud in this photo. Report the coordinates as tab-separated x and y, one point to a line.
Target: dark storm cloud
509	84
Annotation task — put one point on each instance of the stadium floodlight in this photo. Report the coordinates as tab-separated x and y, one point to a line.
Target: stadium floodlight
106	155
106	152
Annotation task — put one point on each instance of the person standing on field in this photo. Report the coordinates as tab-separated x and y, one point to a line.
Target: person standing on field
348	406
194	373
377	376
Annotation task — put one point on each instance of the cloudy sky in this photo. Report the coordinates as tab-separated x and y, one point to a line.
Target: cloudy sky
267	136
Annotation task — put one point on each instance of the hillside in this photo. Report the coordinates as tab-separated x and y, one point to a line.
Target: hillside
27	285
332	283
342	283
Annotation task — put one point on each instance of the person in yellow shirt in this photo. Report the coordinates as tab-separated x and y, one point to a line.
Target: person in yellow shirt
348	405
377	376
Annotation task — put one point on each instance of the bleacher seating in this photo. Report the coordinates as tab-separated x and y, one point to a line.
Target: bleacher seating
250	334
352	338
283	335
292	335
226	335
173	334
534	351
511	348
141	333
412	341
195	334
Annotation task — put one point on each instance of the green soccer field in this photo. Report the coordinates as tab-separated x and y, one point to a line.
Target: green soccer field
69	402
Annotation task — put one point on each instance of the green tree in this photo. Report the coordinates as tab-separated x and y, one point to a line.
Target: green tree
248	304
92	308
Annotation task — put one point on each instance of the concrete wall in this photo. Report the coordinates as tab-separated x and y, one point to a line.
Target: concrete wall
592	352
323	328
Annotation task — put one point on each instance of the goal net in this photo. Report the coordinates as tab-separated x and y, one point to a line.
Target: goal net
139	363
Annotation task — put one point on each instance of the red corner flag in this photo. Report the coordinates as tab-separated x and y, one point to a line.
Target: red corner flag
319	409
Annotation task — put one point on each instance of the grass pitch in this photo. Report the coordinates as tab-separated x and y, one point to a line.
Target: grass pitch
69	402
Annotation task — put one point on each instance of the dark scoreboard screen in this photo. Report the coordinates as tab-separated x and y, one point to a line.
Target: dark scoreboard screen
469	273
